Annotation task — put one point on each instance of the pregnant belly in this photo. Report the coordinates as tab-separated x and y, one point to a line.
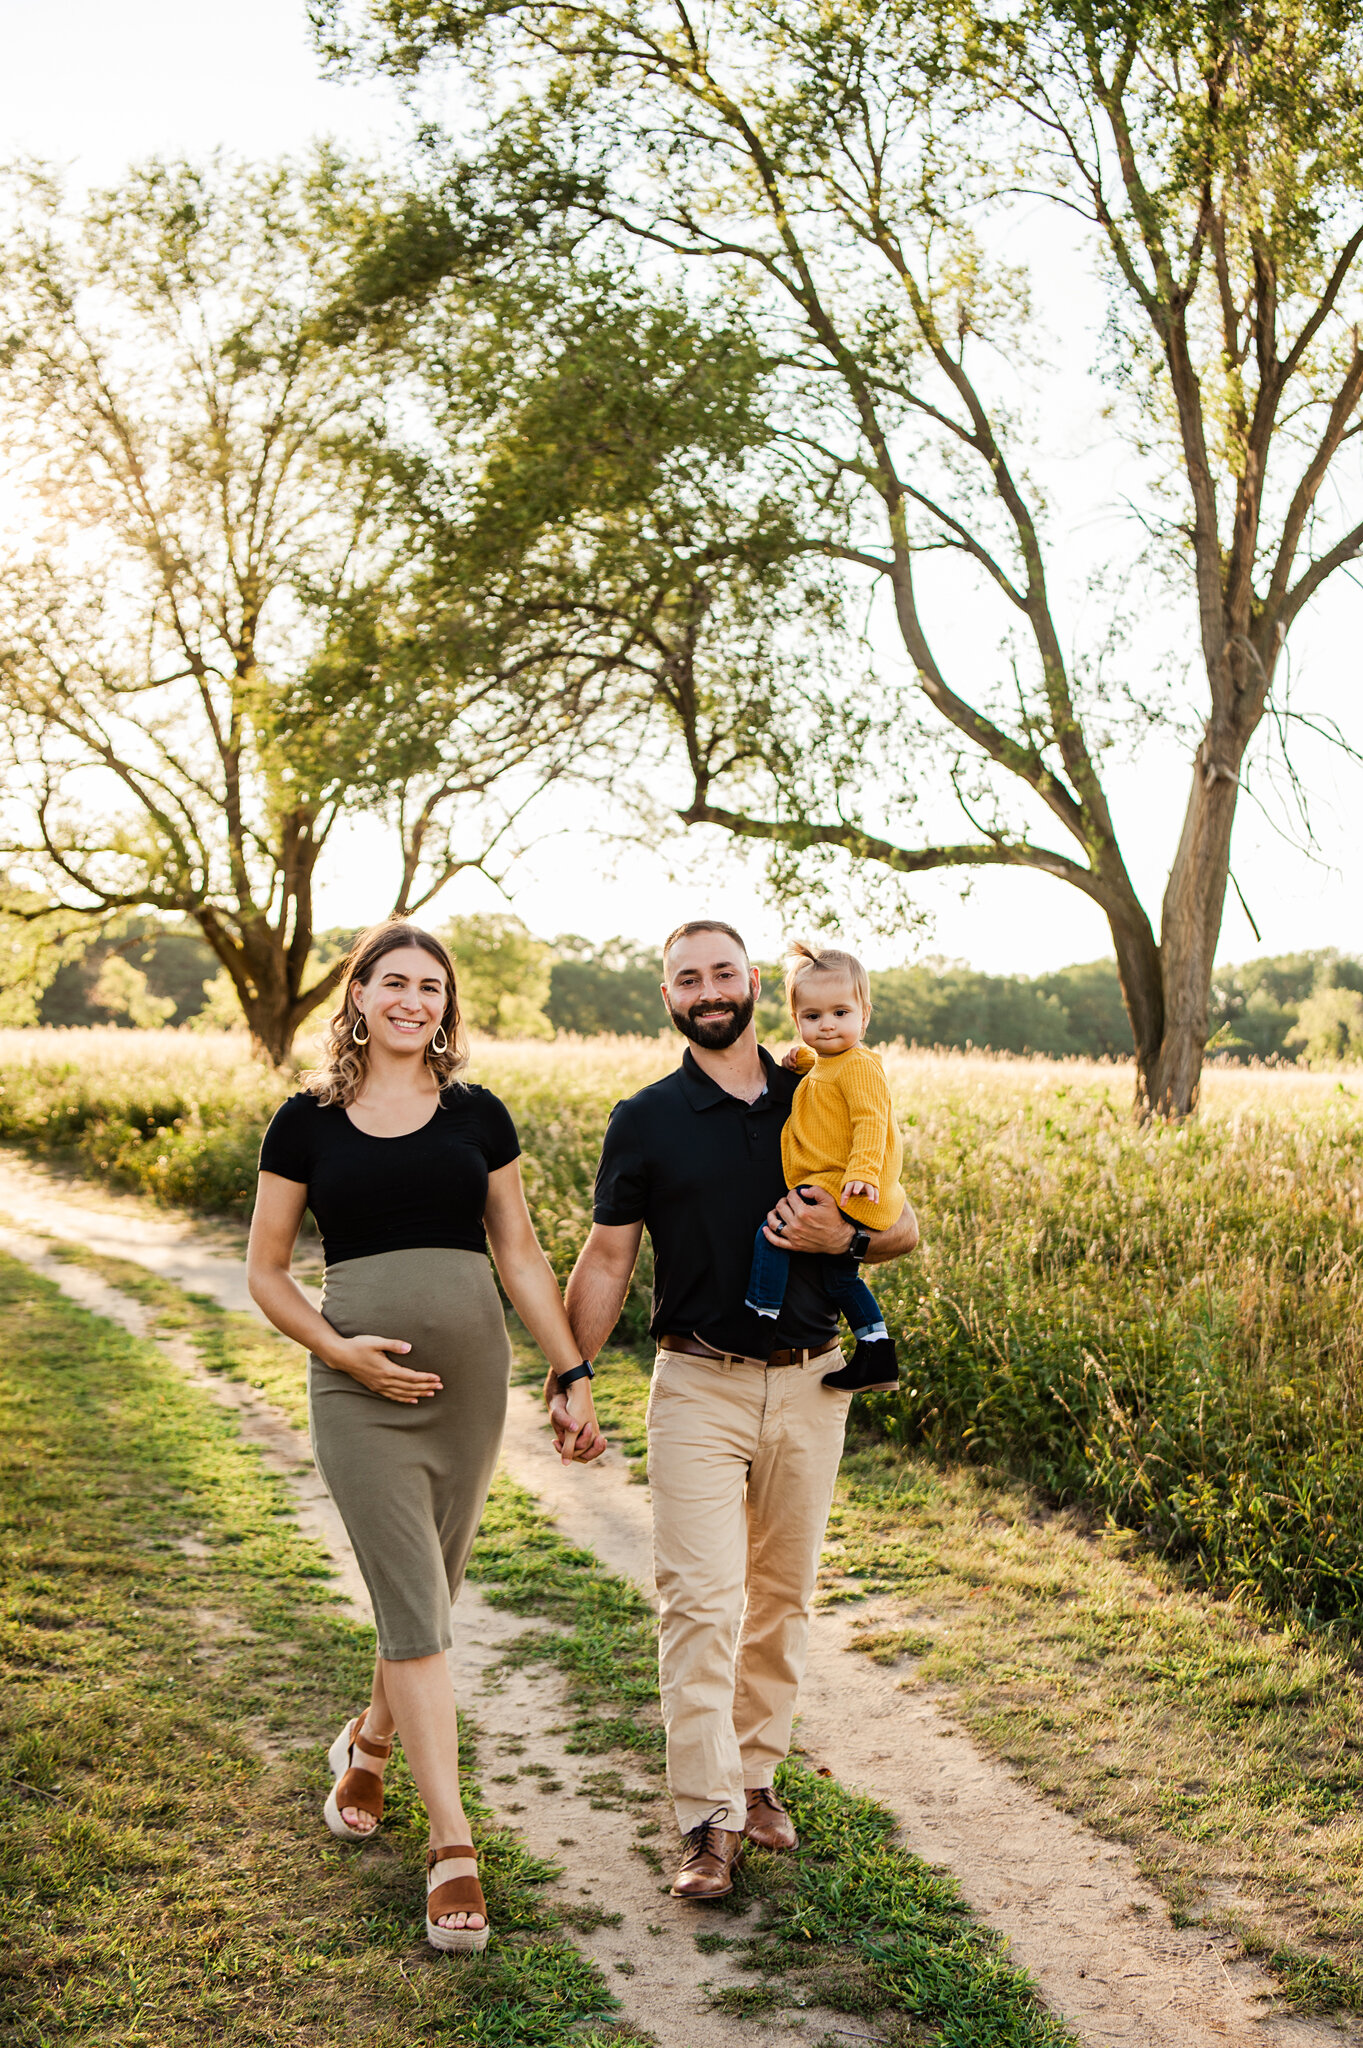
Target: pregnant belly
435	1300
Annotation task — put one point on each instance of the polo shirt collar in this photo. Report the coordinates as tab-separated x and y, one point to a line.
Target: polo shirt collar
703	1093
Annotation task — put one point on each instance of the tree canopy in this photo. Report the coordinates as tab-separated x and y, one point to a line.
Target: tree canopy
219	644
853	182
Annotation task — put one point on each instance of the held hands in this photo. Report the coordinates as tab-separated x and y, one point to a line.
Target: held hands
366	1360
807	1220
860	1187
577	1435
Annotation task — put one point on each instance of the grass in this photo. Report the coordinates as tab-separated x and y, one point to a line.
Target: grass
1162	1329
207	1638
1226	1750
1227	1753
227	1342
174	1666
1167	1324
1164	1324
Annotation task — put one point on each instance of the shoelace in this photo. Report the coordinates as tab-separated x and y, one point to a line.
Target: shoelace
696	1838
764	1795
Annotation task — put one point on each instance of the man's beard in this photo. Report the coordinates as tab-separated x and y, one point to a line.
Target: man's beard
715	1033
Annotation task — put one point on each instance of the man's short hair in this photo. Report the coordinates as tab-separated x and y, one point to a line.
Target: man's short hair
702	924
803	960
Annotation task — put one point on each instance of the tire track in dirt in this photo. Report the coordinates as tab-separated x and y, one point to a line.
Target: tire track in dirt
1096	1937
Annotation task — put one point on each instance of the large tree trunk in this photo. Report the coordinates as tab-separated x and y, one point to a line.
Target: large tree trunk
266	970
1169	1066
273	1022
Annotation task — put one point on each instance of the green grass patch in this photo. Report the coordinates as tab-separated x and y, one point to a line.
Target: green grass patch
174	1668
1315	1984
1227	1751
227	1341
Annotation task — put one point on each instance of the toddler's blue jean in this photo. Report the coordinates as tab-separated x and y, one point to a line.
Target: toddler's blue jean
846	1289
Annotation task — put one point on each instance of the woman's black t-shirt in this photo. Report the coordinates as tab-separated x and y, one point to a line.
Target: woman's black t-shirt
372	1195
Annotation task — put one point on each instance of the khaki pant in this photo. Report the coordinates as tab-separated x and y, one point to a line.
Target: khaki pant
742	1461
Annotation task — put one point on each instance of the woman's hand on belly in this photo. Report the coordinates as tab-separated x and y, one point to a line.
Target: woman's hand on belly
366	1360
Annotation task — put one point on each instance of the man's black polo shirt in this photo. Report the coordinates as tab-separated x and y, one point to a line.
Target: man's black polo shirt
700	1169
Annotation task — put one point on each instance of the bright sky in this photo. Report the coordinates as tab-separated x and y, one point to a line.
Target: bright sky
93	86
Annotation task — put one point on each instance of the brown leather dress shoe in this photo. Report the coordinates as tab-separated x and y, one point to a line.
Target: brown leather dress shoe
768	1822
707	1867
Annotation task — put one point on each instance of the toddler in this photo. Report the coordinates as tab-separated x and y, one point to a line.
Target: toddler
840	1135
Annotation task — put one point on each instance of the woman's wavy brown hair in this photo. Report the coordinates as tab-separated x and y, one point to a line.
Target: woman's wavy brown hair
344	1064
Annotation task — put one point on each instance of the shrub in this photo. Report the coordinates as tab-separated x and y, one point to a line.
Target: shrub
1166	1324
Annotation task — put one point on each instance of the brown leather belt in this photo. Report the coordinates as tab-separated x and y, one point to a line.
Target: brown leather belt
692	1347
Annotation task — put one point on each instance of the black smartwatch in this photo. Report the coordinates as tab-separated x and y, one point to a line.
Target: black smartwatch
574	1374
861	1242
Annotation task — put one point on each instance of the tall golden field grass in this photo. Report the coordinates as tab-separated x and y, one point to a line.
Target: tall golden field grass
1166	1322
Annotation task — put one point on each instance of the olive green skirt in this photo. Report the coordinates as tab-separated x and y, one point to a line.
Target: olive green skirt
411	1482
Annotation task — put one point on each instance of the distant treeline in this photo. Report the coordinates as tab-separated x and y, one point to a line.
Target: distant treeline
1077	1011
516	984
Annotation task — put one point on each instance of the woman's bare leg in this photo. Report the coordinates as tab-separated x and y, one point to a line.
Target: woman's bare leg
378	1718
378	1722
418	1695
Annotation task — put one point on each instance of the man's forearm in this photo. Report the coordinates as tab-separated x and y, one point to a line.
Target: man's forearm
594	1300
894	1243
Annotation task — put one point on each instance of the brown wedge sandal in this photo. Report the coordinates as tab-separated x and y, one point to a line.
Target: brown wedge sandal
455	1895
354	1786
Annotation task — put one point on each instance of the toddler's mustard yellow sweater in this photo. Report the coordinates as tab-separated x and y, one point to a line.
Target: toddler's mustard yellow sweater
842	1127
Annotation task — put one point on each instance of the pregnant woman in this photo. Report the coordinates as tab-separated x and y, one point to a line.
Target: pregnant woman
410	1173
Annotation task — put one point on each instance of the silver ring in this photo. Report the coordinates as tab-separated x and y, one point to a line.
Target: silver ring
778	1226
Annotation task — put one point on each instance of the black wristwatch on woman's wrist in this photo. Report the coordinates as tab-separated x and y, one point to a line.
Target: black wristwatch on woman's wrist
575	1373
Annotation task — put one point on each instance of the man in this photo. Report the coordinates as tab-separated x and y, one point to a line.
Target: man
744	1437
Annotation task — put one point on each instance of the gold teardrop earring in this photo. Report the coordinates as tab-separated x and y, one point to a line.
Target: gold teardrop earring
439	1042
355	1031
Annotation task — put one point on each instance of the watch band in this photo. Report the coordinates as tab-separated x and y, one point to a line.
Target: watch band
861	1242
576	1373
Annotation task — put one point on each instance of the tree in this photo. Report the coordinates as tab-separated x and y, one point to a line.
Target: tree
1330	1028
220	645
220	1010
502	974
36	946
174	960
121	990
848	172
618	532
611	988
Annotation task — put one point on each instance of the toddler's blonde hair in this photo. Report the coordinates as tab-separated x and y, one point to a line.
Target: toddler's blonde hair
803	960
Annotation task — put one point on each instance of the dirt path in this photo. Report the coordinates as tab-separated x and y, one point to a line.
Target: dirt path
1097	1939
598	1825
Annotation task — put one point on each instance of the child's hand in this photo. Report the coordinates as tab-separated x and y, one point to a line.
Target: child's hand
860	1187
791	1057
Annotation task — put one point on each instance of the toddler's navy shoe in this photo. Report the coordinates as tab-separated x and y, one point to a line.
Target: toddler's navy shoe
873	1368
